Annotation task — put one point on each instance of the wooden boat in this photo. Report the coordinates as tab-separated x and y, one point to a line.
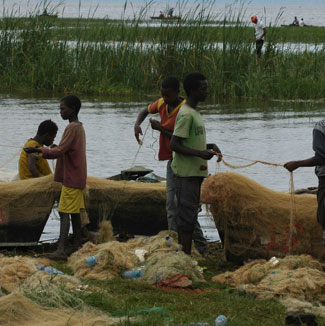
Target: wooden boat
166	17
133	207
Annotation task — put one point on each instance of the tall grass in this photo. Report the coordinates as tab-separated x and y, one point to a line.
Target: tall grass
131	57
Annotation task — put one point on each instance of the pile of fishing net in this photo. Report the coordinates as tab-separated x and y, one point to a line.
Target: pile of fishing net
299	279
150	253
22	272
255	222
16	309
166	265
111	258
15	270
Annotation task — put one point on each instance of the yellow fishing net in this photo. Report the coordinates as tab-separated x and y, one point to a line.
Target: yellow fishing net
255	222
293	279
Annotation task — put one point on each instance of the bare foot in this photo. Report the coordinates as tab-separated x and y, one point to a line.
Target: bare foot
57	255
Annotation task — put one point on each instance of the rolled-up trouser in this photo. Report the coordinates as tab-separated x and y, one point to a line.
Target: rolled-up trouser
188	202
170	198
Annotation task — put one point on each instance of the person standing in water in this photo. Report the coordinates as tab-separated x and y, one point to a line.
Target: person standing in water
259	34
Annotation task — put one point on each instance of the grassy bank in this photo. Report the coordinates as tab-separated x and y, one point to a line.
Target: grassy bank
127	298
104	57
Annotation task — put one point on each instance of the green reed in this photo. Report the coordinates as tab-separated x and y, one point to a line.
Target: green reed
128	56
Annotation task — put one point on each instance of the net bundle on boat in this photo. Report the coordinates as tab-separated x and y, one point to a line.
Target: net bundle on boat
256	222
299	279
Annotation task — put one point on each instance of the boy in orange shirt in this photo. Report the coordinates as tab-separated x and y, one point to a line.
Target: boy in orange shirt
167	107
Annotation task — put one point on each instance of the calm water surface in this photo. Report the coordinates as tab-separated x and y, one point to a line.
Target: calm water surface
275	133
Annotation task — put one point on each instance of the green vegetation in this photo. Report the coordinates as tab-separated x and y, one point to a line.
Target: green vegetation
128	297
130	57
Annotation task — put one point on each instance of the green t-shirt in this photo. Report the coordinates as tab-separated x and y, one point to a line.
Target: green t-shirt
189	126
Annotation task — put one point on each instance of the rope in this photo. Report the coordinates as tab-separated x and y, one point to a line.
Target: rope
10	159
132	164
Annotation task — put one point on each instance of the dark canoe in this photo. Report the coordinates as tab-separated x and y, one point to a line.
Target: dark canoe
133	207
165	18
25	207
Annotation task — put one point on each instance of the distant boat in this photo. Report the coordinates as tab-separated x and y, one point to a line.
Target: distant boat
45	14
166	17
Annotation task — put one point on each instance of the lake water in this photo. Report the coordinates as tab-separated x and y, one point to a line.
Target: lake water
275	12
275	132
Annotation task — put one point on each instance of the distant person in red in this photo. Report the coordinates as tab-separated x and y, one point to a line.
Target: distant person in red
71	170
259	34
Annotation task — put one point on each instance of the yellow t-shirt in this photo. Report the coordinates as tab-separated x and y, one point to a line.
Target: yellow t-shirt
42	164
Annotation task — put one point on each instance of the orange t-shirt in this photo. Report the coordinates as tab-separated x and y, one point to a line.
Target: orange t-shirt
167	121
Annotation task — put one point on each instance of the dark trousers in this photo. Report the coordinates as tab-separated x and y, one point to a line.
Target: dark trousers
188	202
259	45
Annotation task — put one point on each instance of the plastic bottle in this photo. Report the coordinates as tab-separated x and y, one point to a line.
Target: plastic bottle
168	242
221	320
49	269
132	274
91	261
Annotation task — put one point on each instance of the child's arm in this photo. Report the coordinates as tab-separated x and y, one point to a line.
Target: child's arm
157	126
68	138
177	146
32	167
137	129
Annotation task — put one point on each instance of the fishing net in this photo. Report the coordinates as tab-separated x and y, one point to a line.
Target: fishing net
15	309
165	265
15	270
299	278
256	222
111	257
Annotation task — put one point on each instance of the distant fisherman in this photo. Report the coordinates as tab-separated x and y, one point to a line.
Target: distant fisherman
35	165
259	33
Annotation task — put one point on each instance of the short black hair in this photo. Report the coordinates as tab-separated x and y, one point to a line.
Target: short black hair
47	127
170	82
73	102
192	82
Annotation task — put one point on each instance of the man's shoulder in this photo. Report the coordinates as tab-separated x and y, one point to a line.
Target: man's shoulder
74	126
32	143
320	126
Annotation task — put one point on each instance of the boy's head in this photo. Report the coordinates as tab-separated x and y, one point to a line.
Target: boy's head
47	132
69	106
170	89
196	85
254	19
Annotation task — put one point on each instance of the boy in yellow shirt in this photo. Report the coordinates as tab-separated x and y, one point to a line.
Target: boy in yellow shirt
34	165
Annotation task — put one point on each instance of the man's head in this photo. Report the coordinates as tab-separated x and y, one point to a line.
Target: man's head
254	19
170	89
46	132
196	86
69	106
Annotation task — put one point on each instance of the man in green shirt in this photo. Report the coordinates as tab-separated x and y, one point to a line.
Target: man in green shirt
191	153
